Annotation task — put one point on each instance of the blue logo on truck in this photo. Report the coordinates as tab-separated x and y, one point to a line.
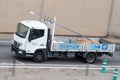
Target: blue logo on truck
95	46
104	46
69	47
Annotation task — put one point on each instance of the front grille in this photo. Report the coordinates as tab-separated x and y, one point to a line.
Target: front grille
16	44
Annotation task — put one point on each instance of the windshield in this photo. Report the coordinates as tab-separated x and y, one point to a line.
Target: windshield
22	30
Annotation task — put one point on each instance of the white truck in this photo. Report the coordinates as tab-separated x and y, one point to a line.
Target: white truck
36	39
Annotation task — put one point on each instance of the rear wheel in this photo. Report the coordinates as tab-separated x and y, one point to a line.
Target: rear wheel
91	58
39	57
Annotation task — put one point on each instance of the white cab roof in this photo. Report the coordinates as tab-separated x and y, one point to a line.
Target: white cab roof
34	24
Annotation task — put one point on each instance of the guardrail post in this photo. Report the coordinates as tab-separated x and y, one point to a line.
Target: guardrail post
14	64
87	69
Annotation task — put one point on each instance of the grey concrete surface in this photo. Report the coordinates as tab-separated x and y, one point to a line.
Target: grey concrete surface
54	74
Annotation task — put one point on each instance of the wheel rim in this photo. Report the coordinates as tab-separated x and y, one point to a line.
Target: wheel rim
90	58
39	57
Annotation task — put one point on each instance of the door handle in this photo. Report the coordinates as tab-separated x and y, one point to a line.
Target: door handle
41	44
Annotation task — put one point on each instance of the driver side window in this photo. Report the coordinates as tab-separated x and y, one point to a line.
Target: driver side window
37	34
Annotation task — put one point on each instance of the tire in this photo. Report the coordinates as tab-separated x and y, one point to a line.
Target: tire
90	58
39	57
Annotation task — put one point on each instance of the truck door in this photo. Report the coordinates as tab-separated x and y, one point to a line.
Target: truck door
36	40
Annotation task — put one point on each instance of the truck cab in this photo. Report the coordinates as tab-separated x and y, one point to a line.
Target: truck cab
31	36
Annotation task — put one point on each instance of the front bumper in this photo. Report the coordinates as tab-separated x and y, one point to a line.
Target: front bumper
17	51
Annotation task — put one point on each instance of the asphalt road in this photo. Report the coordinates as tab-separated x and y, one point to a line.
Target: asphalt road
6	58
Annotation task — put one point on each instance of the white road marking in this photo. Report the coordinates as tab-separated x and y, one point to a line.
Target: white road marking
5	41
4	51
36	67
19	62
52	66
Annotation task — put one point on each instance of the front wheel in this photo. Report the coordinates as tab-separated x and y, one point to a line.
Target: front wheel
91	58
39	57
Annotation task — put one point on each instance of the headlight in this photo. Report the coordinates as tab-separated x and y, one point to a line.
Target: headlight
20	52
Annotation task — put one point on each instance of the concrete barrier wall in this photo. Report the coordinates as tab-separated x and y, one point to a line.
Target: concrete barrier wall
13	11
115	19
89	17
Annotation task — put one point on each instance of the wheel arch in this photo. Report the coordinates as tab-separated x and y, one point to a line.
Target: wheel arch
44	51
86	53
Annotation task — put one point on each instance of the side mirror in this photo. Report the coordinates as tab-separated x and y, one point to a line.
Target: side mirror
30	35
